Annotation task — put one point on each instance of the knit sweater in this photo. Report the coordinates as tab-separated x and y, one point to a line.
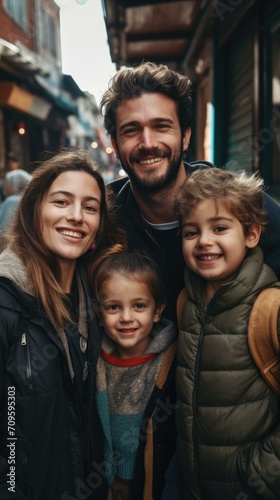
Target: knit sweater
124	389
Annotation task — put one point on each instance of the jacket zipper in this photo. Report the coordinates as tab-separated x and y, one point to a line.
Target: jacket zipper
25	345
205	311
154	241
161	250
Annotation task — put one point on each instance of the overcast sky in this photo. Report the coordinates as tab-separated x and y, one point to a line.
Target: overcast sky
85	50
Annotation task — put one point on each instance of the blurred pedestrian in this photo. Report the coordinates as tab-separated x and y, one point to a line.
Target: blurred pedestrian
11	164
14	184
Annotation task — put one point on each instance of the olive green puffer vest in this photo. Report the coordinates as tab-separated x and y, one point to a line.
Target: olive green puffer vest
227	418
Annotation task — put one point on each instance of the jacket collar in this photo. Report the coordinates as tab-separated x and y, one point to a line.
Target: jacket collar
251	278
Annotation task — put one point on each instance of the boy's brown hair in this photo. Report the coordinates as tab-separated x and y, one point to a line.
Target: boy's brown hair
240	193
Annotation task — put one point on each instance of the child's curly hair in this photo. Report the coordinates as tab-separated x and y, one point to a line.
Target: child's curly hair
240	193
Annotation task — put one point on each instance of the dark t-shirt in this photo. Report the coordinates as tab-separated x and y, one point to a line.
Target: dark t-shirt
170	242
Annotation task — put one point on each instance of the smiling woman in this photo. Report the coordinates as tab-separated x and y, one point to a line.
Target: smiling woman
70	216
49	336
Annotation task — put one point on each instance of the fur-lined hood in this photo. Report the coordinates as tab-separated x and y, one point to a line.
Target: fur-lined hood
12	268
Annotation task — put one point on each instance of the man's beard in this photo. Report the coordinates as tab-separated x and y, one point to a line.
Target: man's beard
151	185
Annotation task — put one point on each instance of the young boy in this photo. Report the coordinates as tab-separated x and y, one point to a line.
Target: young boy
227	418
135	374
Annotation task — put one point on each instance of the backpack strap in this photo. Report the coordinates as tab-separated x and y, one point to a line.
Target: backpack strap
263	336
181	300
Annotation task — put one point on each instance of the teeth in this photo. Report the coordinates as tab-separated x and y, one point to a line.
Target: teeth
74	234
209	257
151	161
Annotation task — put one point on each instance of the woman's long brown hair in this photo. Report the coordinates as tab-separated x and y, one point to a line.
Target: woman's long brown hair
25	237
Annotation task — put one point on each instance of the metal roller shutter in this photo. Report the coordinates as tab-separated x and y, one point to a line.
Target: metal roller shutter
239	84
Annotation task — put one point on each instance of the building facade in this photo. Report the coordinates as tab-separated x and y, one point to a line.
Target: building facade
41	109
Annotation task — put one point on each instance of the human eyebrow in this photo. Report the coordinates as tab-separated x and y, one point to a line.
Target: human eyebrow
153	121
216	220
162	119
92	198
65	193
189	224
219	220
71	195
133	123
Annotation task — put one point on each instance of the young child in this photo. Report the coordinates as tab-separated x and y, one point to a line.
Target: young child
227	418
135	374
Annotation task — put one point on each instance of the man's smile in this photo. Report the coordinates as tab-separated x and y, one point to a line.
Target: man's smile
151	161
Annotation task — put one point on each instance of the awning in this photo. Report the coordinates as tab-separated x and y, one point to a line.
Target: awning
13	96
66	104
69	82
80	128
58	98
21	57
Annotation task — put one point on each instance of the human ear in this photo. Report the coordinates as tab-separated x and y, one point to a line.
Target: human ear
158	313
186	138
115	148
253	236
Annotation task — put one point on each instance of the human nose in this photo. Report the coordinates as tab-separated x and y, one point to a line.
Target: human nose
148	139
204	239
75	213
126	315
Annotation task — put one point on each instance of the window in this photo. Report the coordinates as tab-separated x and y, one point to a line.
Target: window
48	33
16	9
